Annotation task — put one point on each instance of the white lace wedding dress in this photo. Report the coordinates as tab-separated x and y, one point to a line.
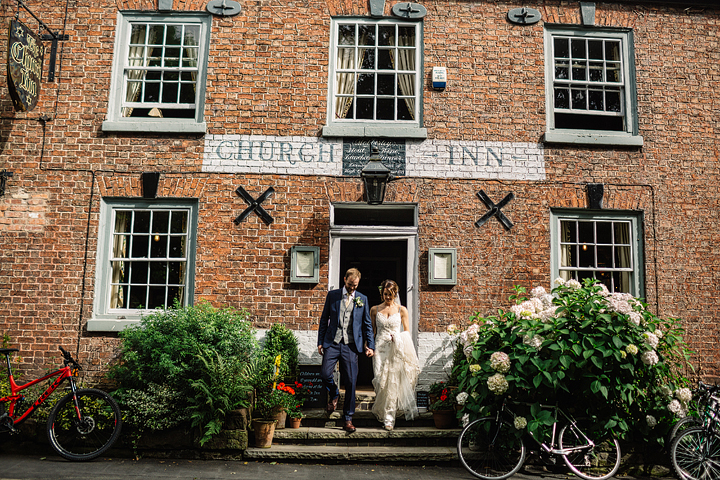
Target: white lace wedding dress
396	369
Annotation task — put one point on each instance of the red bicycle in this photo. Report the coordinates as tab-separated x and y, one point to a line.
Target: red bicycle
81	426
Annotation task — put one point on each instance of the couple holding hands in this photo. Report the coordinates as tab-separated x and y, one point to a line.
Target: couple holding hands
349	327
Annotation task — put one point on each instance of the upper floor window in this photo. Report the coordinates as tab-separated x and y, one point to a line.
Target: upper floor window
158	81
375	79
604	246
590	81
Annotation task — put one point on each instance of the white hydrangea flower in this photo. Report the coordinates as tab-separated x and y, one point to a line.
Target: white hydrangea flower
467	350
474	368
534	341
573	284
475	395
650	339
683	394
651	421
619	305
559	282
666	391
452	329
520	423
497	384
604	290
674	406
623	354
499	361
631	349
650	358
635	318
658	333
547	300
538	292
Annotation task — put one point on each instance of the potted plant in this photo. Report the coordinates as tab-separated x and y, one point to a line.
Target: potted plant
274	404
443	405
295	415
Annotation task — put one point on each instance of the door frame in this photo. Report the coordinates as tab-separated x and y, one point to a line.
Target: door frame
338	233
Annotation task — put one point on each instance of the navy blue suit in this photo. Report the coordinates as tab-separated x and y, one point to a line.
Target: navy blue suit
347	355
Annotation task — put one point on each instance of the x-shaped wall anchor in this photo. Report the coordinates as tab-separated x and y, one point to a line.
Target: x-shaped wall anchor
254	205
495	210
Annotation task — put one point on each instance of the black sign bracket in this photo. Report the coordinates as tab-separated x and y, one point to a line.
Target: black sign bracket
55	37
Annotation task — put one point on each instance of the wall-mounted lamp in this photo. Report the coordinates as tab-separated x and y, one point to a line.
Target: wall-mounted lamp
375	176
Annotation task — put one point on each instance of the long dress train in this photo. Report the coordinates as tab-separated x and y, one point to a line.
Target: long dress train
396	369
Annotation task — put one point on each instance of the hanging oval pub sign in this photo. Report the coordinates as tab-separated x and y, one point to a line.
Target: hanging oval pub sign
25	62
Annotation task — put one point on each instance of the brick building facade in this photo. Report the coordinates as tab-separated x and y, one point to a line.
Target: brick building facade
618	98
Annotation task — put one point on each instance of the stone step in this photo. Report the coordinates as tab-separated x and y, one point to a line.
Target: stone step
357	454
362	418
366	437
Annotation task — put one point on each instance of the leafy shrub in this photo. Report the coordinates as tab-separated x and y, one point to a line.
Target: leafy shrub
279	340
580	342
173	359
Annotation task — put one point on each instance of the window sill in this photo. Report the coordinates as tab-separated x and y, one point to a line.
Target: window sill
375	131
590	137
108	325
141	126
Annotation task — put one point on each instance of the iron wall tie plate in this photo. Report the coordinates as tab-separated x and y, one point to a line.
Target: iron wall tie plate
254	205
494	210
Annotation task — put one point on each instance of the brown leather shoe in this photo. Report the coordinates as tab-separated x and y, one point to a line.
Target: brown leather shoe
332	405
349	427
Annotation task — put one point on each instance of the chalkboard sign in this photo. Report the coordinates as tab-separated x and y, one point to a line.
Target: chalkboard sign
423	400
309	377
356	154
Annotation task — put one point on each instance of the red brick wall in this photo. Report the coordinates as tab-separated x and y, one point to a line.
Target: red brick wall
268	75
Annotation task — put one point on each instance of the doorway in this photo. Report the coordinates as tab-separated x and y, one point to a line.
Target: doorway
377	260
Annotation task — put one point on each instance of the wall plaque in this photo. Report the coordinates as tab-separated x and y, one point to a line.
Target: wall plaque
25	62
309	377
356	154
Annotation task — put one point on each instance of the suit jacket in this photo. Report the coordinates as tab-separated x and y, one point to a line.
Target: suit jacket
361	323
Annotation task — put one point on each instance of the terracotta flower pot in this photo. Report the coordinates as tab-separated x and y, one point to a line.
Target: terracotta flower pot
444	419
295	422
264	430
279	415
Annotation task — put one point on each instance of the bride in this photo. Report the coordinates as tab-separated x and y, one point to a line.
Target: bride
395	364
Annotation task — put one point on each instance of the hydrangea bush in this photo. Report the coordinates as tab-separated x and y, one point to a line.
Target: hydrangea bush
599	355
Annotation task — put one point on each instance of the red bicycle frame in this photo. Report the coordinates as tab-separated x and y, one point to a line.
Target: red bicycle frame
15	389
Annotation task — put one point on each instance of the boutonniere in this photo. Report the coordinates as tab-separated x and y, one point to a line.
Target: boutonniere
358	301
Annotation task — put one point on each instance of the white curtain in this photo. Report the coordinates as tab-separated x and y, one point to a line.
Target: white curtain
565	253
119	246
622	236
136	58
406	61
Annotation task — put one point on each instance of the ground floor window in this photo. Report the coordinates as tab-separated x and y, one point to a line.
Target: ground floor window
605	246
145	256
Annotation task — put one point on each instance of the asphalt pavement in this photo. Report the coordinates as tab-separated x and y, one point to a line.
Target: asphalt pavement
53	467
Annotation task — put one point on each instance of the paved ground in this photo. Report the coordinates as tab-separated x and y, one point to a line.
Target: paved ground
32	467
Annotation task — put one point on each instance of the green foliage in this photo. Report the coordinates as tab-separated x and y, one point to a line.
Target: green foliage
280	340
581	342
4	382
173	366
220	390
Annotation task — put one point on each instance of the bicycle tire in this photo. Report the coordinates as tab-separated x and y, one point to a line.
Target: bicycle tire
682	425
92	435
599	462
695	454
488	458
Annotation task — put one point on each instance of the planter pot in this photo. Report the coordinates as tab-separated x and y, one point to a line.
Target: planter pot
444	419
295	422
279	415
264	430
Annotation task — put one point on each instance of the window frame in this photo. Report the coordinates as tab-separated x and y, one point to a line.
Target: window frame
630	135
636	220
375	128
104	318
114	121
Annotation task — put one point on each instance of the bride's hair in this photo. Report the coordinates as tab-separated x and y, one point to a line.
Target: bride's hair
389	285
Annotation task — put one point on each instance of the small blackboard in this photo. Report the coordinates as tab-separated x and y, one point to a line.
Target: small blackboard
423	400
356	154
309	377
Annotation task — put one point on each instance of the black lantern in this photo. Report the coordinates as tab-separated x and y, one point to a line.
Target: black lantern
375	176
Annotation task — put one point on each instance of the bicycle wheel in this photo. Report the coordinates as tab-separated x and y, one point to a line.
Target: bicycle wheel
682	425
596	462
490	452
695	454
90	435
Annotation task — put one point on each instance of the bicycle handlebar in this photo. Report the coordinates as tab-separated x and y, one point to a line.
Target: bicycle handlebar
69	359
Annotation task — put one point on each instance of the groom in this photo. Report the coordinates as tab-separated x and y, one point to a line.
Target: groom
345	330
